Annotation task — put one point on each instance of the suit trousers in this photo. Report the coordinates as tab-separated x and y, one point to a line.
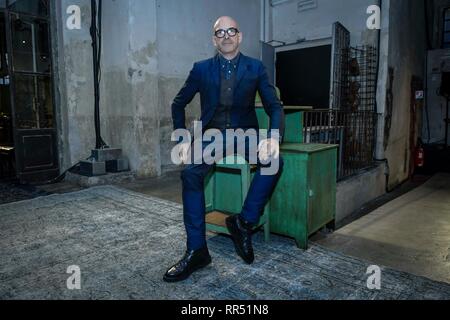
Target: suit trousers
193	177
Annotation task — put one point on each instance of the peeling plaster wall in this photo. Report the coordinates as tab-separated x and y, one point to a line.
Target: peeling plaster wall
130	82
407	47
74	85
129	92
149	48
184	37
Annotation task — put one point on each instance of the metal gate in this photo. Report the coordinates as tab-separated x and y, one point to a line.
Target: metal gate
341	44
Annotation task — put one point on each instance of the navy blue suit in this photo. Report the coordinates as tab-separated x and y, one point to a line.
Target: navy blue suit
205	77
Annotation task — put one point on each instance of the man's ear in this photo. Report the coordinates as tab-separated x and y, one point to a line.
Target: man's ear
214	41
241	36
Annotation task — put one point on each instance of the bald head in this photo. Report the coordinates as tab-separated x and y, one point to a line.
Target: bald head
229	39
225	21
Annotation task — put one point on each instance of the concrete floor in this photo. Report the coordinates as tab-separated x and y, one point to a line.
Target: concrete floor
410	233
167	187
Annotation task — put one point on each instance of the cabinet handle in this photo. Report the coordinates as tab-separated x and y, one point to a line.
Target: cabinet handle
311	193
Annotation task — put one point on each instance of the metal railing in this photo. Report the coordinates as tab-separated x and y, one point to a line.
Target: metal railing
353	131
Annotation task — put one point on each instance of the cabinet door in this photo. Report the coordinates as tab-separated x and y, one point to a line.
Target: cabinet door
288	204
322	189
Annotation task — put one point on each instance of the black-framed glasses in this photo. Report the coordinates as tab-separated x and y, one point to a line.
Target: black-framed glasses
232	32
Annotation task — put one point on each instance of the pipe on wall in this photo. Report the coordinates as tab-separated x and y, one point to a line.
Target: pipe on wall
265	20
380	98
380	154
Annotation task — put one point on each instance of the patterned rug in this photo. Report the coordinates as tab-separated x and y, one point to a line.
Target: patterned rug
123	242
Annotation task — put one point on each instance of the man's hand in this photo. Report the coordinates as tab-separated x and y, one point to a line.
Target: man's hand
268	149
183	152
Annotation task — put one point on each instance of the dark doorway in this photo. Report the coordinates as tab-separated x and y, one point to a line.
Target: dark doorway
304	76
28	89
7	150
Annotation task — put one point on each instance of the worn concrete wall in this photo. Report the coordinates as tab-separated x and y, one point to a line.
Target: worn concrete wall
407	47
74	85
149	48
289	25
184	37
353	193
129	99
130	82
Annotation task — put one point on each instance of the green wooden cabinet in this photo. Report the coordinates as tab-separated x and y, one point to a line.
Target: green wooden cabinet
304	200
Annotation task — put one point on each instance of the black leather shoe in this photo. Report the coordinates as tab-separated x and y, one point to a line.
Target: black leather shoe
241	233
191	262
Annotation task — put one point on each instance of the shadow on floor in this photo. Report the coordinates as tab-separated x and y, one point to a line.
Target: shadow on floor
13	191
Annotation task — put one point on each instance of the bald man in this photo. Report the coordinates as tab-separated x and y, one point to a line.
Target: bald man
228	84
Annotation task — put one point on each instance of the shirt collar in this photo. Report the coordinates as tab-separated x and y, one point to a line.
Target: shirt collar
234	61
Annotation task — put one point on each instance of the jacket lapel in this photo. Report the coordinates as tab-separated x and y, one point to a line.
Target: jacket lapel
242	69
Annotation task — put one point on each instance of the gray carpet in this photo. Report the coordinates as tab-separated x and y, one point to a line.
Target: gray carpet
124	242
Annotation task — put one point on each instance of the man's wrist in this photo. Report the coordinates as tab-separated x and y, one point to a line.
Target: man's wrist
279	138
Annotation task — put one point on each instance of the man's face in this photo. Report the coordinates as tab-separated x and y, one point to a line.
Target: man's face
229	44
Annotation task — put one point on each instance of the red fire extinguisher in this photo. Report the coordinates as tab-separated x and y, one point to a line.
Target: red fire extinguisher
420	157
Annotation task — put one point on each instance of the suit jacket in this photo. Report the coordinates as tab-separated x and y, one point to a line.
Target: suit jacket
251	77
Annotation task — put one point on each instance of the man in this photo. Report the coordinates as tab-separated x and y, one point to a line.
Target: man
228	84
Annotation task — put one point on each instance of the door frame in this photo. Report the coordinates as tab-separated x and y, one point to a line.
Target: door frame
302	45
47	172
